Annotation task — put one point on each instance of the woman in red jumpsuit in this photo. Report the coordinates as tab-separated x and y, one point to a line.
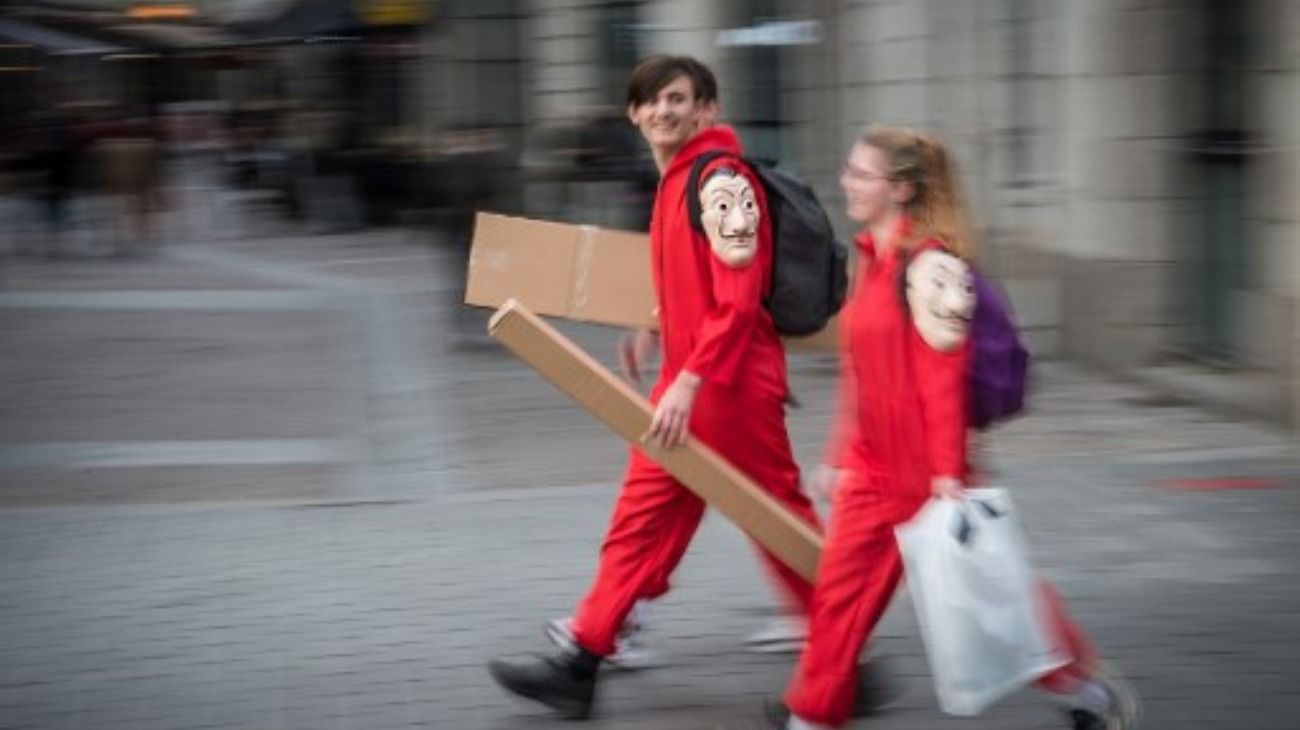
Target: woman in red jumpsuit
901	435
722	380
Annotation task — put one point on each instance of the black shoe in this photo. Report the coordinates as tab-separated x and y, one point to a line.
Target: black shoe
565	683
876	689
776	714
1085	720
875	692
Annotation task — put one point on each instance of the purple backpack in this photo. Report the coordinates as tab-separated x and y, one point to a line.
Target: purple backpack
999	363
998	372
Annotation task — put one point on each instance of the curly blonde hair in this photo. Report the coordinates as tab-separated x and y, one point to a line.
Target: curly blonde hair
936	209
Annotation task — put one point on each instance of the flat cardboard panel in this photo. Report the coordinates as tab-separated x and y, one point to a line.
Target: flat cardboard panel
528	260
623	409
560	270
612	279
584	273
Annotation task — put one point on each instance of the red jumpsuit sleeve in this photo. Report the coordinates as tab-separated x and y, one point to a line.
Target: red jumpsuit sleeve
844	432
845	429
722	338
941	379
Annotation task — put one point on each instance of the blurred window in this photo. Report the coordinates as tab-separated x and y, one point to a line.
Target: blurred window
757	88
1034	47
486	74
620	50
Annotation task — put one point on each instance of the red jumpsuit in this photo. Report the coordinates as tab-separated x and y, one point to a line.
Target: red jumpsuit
711	323
901	422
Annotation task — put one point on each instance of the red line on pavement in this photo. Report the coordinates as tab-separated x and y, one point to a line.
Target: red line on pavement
1219	483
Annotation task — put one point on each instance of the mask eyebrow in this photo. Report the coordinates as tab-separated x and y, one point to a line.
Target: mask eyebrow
949	266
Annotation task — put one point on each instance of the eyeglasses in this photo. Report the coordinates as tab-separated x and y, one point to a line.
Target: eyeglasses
858	174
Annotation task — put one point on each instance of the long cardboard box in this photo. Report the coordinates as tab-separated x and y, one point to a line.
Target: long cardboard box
584	273
720	484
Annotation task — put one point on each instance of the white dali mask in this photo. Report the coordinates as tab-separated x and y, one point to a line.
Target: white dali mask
729	214
941	298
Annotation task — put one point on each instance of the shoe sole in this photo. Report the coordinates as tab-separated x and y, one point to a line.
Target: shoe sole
567	710
783	646
631	665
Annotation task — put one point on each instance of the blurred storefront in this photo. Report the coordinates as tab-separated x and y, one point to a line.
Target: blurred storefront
330	81
120	56
44	68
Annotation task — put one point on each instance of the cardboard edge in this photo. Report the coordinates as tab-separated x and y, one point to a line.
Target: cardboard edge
494	322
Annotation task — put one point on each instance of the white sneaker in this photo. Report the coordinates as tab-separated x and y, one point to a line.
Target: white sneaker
1125	704
1123	708
630	652
785	635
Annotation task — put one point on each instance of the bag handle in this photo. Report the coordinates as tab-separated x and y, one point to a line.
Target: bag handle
964	529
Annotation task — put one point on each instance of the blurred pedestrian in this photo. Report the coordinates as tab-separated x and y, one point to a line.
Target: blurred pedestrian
60	159
130	165
901	437
609	156
722	380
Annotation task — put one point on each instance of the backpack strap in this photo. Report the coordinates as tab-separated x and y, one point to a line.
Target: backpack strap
693	207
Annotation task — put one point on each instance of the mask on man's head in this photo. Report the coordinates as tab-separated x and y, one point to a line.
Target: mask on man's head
941	298
730	217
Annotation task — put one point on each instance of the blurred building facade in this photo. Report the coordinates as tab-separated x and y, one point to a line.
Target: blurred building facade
1133	165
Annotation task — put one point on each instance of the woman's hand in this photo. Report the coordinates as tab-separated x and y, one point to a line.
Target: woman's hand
635	350
672	418
944	487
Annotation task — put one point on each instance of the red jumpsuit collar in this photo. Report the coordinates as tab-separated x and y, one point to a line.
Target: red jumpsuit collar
867	242
719	136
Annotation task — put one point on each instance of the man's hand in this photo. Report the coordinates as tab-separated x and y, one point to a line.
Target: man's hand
824	481
634	352
672	418
946	487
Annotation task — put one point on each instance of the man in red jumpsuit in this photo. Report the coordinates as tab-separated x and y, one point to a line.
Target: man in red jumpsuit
722	379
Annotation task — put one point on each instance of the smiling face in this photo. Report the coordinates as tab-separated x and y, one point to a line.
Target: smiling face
729	214
941	297
870	192
671	116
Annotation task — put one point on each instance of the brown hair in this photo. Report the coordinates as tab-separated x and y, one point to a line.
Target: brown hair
936	209
654	73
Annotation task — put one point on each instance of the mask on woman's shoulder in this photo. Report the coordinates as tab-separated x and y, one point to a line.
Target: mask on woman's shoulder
941	298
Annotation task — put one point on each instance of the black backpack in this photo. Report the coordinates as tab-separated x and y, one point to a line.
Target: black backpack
809	267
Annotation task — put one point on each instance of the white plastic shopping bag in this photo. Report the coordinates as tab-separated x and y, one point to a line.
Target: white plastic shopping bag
976	600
